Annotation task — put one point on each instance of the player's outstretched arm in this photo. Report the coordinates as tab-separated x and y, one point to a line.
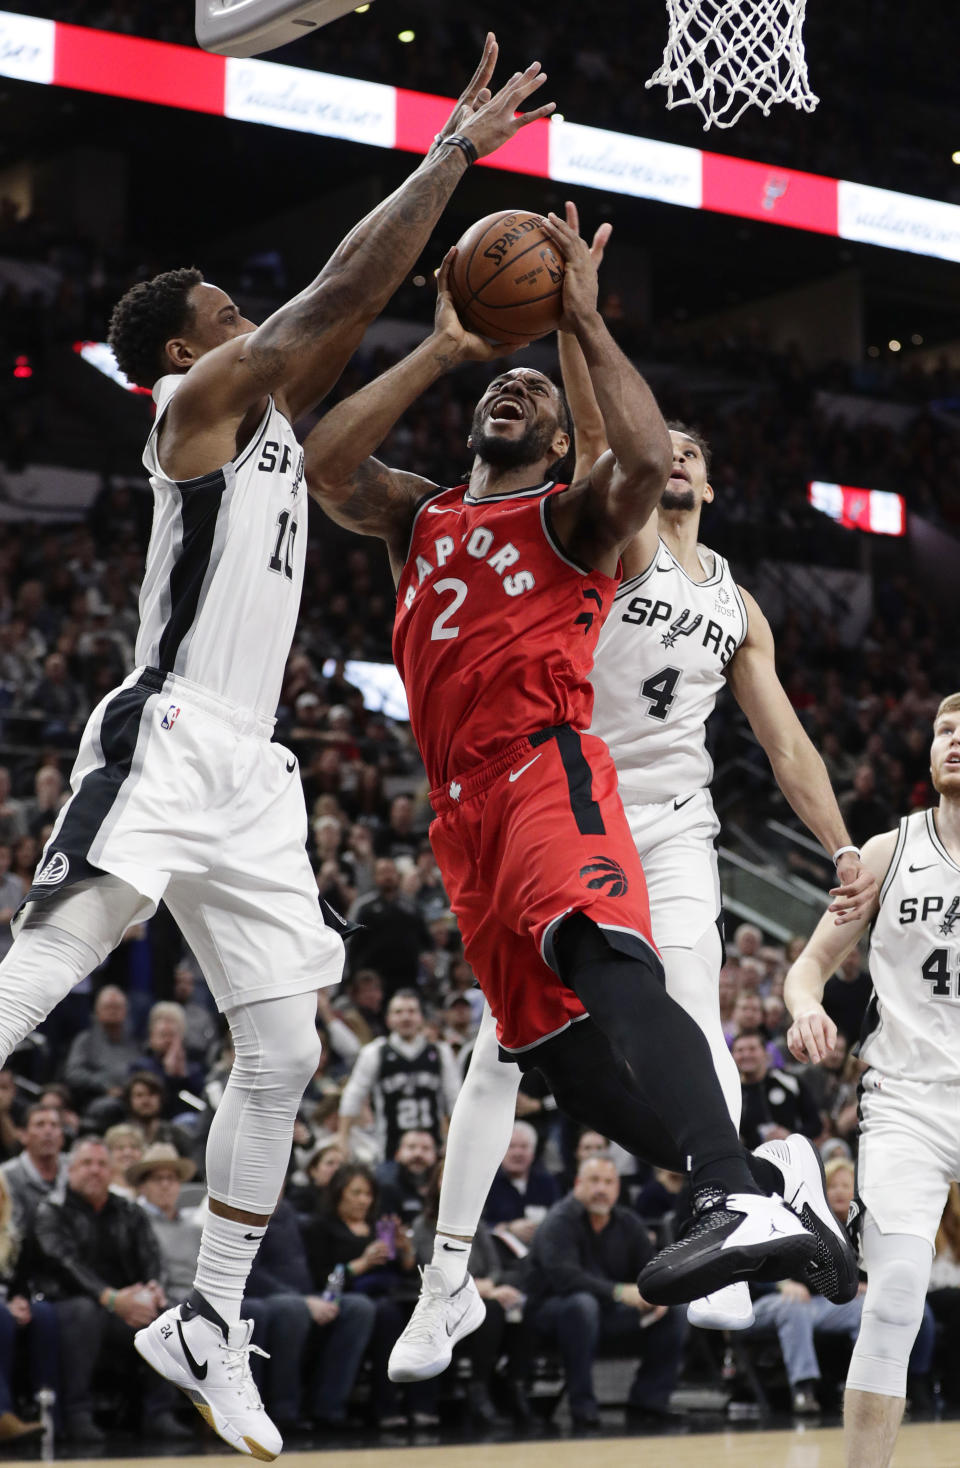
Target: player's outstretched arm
797	767
813	1033
357	490
589	430
598	515
299	352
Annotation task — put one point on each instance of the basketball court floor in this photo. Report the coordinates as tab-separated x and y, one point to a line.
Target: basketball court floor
924	1445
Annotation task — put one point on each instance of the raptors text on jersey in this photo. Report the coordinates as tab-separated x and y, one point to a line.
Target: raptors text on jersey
495	628
224	573
659	667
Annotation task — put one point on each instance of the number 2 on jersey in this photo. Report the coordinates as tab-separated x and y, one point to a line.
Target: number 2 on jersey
440	632
281	561
661	690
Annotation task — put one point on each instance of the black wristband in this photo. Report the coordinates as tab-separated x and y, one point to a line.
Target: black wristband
466	146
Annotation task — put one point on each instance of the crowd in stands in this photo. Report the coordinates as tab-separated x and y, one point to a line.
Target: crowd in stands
882	73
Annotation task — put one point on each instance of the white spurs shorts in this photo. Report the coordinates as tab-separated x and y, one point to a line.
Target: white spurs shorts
675	841
909	1152
184	797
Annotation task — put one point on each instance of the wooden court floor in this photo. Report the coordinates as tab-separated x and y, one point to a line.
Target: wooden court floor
934	1445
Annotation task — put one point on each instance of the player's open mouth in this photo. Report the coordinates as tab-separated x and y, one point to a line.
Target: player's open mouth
506	410
680	474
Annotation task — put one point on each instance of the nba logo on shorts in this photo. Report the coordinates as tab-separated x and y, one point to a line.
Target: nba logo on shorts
53	872
170	717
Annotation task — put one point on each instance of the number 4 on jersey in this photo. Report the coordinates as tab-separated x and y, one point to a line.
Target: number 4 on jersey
661	690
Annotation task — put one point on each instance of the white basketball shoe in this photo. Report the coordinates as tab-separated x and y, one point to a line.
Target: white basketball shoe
728	1309
439	1320
833	1272
213	1370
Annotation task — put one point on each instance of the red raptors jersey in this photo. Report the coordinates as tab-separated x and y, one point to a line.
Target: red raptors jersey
496	626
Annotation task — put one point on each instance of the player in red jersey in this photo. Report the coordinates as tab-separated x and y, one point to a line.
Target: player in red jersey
503	584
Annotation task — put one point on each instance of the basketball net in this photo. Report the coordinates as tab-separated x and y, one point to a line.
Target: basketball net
728	55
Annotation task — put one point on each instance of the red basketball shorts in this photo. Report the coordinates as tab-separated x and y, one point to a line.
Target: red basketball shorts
523	841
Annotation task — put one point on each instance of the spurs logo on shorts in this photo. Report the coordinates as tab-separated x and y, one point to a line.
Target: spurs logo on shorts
53	871
601	874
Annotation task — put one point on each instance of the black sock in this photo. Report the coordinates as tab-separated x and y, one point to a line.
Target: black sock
666	1050
766	1174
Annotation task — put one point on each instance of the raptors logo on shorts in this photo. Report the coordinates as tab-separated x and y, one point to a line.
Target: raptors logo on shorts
603	874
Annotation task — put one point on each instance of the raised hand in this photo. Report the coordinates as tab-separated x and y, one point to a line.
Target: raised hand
580	282
474	94
495	122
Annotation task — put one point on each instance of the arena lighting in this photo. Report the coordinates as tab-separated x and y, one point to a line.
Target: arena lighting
100	355
873	510
50	52
406	37
955	157
22	368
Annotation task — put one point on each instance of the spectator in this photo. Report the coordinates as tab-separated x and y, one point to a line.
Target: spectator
865	813
100	1058
393	933
60	702
40	1167
774	1103
411	1080
401	836
295	1322
581	1291
846	996
143	1100
748	1020
12	892
9	1133
155	1179
405	1182
378	1262
320	1164
12	823
125	1144
96	1257
360	1005
166	1055
200	1023
522	1190
729	988
18	1312
49	795
747	941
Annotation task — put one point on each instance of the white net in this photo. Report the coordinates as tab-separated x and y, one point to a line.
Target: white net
727	55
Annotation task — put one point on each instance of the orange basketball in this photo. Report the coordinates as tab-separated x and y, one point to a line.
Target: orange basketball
507	278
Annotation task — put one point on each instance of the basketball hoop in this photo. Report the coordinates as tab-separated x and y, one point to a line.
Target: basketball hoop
250	27
730	54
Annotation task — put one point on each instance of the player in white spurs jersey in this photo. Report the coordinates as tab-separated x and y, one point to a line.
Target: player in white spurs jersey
178	792
910	1094
680	628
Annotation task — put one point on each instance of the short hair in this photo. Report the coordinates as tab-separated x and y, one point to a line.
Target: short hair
695	436
146	1078
839	1164
89	1139
406	994
167	1009
949	705
603	1157
145	319
123	1131
39	1106
528	1132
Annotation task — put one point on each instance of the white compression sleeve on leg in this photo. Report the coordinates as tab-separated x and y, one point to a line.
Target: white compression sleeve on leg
693	980
61	940
480	1131
277	1051
898	1272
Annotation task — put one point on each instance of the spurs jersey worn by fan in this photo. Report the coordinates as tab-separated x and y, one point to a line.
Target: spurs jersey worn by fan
177	788
660	665
495	632
910	1095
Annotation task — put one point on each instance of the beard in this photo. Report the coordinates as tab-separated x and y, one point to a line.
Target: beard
678	499
511	453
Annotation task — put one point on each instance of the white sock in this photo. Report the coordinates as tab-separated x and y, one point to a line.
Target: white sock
450	1256
227	1252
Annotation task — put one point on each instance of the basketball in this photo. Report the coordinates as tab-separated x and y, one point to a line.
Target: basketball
507	278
